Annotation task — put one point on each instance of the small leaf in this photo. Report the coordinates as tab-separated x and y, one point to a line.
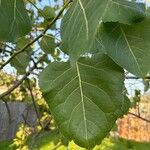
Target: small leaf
44	24
80	24
85	100
128	45
48	13
22	42
21	61
48	44
14	20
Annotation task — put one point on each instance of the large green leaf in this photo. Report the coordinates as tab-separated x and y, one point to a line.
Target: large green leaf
85	100
129	46
14	21
80	23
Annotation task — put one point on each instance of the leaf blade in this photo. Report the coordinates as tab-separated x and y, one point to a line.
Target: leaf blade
76	94
80	24
127	45
47	44
17	23
126	12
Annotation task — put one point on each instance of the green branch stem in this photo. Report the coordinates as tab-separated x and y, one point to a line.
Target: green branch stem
34	103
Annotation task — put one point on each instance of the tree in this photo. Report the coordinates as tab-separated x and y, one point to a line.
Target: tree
83	63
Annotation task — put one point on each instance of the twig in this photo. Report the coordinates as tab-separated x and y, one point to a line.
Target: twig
8	110
144	119
34	104
130	77
38	37
25	121
22	79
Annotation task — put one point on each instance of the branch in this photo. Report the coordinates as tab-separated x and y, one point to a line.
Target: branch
34	104
38	37
131	77
8	110
144	119
22	79
24	119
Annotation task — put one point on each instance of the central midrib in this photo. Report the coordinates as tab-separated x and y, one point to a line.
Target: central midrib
82	99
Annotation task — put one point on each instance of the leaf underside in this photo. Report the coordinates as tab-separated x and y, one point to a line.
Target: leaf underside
80	24
128	46
85	100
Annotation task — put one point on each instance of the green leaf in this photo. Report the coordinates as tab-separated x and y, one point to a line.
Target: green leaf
21	42
128	46
47	44
21	61
45	138
97	46
125	12
79	25
14	21
48	13
85	100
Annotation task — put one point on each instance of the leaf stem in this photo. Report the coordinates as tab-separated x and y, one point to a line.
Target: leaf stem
34	103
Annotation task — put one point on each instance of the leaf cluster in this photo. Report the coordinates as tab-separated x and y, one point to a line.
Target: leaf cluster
85	91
